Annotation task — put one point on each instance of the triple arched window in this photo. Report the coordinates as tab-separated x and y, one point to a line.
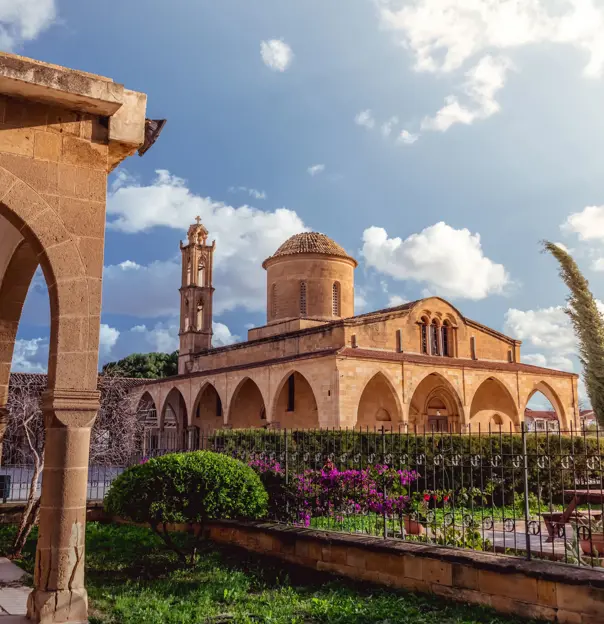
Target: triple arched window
335	299
436	339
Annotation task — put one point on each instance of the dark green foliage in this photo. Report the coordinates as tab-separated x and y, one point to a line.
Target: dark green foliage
588	324
490	463
144	366
187	488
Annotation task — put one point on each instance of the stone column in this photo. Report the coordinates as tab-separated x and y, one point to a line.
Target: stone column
60	595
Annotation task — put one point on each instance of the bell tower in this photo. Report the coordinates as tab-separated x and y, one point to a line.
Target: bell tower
196	293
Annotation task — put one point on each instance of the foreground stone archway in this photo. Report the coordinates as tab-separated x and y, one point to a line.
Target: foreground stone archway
552	396
378	405
247	409
62	131
294	403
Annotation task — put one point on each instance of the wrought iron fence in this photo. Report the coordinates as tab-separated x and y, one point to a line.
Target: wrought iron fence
537	495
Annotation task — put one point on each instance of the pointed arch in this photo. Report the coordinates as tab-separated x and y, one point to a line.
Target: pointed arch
493	398
173	422
207	413
295	403
247	409
435	405
379	405
146	410
552	396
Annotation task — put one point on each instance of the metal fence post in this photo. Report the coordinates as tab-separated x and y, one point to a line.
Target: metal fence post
526	494
385	511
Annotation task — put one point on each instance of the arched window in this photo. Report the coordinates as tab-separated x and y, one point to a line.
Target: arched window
434	341
335	301
186	315
303	298
424	336
445	340
273	302
189	272
201	275
200	315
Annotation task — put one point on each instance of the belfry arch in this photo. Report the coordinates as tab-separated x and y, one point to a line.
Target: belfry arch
435	406
295	404
247	409
378	406
493	407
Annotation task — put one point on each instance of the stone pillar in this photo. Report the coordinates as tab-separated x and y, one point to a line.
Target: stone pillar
59	594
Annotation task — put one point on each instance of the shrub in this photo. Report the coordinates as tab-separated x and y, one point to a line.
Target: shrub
187	488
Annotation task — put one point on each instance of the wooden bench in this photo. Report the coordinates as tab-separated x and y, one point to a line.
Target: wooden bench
555	519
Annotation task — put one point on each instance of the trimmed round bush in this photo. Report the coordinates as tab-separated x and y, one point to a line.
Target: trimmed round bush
187	488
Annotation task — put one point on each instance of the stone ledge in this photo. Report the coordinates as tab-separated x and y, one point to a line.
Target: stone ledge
30	79
543	570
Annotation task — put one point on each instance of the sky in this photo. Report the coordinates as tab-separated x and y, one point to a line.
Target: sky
438	141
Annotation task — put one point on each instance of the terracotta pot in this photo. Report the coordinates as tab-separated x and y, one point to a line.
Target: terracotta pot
596	543
413	527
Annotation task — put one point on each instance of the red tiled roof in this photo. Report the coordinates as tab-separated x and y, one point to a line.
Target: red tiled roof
41	380
542	414
310	243
429	360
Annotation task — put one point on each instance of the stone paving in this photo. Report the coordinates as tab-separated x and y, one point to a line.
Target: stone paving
13	593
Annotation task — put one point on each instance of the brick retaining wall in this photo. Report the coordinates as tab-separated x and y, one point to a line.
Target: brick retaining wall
533	589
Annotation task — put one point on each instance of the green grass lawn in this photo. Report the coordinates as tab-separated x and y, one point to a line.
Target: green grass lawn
132	579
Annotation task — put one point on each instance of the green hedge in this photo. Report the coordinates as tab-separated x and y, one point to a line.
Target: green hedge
187	488
492	463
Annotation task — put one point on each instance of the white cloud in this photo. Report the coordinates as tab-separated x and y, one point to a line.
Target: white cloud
245	236
598	264
482	83
24	20
445	34
365	119
252	192
388	126
276	54
396	300
314	170
360	301
558	362
545	328
449	261
407	138
587	224
30	356
107	339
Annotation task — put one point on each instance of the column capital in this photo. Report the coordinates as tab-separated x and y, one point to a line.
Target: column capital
66	407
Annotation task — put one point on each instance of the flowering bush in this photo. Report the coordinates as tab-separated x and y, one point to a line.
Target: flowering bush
334	493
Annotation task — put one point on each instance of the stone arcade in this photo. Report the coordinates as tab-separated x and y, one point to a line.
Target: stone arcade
419	366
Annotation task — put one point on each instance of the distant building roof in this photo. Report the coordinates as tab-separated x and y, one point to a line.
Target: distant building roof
310	243
540	414
40	380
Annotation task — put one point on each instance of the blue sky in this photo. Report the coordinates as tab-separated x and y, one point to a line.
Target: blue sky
448	138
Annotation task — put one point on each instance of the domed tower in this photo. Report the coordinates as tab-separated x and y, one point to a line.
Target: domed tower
309	277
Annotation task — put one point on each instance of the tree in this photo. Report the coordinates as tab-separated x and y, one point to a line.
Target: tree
144	365
115	436
588	323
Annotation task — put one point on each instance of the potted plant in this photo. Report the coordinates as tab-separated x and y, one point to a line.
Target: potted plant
590	532
418	507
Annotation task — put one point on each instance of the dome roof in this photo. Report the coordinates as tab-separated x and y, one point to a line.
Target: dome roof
310	243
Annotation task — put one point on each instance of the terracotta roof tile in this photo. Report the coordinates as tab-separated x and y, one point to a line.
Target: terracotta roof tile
416	358
310	243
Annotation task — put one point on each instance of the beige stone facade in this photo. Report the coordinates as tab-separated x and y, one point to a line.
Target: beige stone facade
61	132
418	366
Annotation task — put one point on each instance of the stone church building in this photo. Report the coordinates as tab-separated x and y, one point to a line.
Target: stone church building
418	366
